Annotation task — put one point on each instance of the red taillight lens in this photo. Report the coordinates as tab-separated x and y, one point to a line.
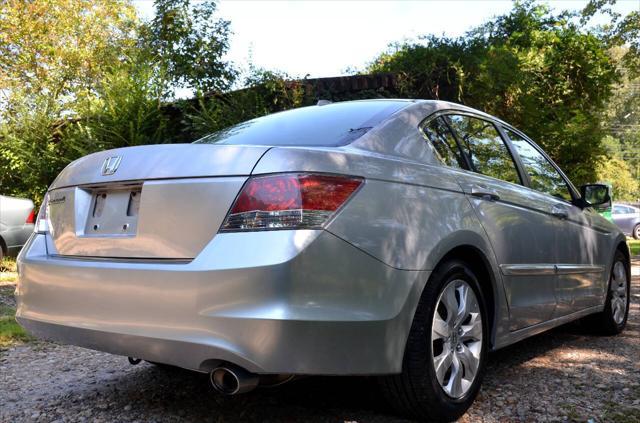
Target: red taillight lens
289	201
32	217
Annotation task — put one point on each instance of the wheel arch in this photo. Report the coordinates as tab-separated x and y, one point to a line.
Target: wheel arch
623	247
481	268
474	250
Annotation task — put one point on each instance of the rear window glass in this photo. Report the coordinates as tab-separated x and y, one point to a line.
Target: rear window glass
484	146
445	145
329	125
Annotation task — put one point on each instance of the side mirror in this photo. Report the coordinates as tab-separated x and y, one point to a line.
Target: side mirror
596	196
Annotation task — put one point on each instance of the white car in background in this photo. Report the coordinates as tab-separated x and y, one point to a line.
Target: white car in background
17	217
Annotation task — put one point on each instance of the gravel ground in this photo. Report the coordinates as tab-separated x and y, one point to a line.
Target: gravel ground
562	375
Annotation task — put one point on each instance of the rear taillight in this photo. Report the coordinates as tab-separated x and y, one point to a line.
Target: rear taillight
42	222
31	218
289	201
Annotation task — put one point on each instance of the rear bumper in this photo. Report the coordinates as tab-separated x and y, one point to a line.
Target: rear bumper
301	302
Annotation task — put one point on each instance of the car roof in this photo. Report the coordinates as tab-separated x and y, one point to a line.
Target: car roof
436	105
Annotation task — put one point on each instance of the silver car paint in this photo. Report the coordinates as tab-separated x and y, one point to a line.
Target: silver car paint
336	301
314	305
14	231
165	161
169	227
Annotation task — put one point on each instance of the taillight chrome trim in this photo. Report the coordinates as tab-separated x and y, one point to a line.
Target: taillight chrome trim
42	225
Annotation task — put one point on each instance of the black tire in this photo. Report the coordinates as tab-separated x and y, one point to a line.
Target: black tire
636	231
416	392
603	323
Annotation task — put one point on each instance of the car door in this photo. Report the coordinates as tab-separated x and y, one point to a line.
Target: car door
579	265
518	226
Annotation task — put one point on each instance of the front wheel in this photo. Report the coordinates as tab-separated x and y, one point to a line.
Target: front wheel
636	231
613	319
444	357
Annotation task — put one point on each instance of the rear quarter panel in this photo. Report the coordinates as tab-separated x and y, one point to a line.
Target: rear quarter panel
408	215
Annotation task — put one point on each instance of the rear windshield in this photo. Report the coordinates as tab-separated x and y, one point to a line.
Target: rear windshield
329	125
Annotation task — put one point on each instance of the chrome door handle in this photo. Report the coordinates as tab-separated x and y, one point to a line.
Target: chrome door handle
560	212
485	193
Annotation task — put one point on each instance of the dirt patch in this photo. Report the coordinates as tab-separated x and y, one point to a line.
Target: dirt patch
561	375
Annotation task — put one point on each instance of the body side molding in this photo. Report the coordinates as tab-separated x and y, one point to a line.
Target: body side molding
548	269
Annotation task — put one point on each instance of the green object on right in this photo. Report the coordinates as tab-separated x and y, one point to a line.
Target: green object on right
607	214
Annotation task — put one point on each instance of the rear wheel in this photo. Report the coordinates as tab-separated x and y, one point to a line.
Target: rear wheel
613	319
445	354
636	231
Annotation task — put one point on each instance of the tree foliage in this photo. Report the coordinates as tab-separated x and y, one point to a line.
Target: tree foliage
616	172
78	76
187	43
59	48
543	73
52	54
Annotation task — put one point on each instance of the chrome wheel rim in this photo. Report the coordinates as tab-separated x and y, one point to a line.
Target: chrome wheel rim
456	338
618	292
637	232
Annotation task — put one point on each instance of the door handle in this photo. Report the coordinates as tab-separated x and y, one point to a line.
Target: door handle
560	212
485	193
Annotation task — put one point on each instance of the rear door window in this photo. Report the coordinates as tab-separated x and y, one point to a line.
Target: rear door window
543	175
443	142
485	148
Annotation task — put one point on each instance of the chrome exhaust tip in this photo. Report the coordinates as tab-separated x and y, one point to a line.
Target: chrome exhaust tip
232	380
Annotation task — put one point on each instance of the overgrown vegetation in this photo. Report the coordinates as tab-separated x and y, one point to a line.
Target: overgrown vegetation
78	77
7	268
546	74
11	332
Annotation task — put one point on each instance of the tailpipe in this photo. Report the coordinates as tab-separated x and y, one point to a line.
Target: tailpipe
232	380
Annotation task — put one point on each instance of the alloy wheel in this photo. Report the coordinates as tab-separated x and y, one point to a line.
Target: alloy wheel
456	336
619	292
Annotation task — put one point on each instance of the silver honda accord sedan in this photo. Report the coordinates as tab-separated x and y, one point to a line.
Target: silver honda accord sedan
398	238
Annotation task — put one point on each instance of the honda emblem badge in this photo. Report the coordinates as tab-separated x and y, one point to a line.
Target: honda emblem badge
110	165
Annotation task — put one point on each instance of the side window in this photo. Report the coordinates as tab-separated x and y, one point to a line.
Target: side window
617	210
543	175
482	143
443	142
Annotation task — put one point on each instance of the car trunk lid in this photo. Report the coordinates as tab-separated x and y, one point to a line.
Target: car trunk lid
160	162
148	202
